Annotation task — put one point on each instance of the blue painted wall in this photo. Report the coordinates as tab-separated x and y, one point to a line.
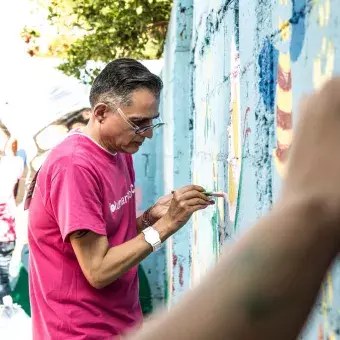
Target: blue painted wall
234	73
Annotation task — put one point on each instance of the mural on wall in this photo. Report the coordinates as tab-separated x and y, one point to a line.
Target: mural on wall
209	164
287	48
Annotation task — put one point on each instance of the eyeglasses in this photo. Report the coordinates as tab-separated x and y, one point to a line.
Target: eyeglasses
138	129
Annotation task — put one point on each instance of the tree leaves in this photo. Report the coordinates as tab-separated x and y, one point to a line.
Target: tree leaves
109	29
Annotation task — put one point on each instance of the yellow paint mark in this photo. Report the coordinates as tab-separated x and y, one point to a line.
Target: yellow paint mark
234	128
284	62
284	136
284	99
331	336
284	28
327	10
324	12
321	16
324	64
280	167
232	192
283	2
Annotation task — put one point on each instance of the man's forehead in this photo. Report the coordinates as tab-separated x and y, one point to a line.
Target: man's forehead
143	108
143	116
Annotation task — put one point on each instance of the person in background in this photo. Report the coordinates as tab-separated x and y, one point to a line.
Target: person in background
85	240
11	169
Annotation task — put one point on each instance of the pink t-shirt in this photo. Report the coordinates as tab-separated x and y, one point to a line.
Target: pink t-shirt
80	186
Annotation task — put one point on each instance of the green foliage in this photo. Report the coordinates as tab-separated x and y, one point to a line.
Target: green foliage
109	29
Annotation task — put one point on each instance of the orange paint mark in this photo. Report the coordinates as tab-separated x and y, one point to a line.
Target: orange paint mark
320	336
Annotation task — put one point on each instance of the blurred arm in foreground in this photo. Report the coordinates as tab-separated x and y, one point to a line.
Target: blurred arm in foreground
265	287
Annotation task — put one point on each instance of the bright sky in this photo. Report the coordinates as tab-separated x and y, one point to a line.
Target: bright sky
29	85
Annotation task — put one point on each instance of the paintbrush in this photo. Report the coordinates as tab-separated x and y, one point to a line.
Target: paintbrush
216	194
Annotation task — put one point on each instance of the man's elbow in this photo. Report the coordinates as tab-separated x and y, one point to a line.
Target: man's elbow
97	284
98	281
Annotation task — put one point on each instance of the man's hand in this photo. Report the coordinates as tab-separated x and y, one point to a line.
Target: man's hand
160	208
184	203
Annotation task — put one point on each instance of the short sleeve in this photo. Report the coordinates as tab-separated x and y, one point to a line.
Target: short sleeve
76	201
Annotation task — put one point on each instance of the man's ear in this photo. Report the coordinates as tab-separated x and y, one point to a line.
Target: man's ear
100	112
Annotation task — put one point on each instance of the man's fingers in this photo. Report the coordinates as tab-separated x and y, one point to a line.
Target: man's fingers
195	208
198	201
193	194
187	188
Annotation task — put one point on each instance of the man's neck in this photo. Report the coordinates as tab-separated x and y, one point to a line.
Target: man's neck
89	131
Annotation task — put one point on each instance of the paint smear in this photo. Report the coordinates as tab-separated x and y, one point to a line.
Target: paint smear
298	21
234	131
284	99
181	280
268	60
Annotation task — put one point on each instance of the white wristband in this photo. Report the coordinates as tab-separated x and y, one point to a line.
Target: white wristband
151	236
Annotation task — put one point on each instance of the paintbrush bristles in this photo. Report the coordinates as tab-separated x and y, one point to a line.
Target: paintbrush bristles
218	194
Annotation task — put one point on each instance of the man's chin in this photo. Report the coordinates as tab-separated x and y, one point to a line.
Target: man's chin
131	148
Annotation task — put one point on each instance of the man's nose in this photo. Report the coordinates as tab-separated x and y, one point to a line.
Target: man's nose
148	134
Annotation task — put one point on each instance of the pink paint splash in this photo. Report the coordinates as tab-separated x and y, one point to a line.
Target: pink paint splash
174	260
246	130
181	270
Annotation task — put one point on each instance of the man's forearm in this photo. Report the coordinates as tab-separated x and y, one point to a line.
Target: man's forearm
263	288
115	261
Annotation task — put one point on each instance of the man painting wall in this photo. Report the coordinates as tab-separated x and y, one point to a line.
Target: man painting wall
85	240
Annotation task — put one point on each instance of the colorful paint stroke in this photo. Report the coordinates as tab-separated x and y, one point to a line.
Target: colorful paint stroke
284	99
234	132
298	20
